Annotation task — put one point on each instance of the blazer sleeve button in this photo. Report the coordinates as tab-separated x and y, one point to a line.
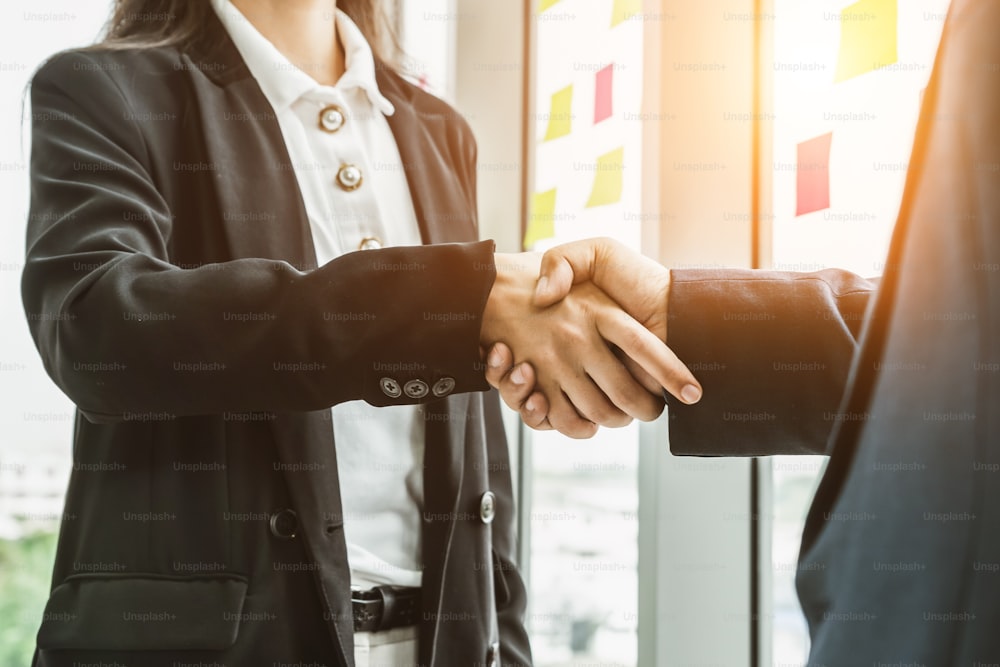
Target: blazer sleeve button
416	388
443	387
284	524
390	388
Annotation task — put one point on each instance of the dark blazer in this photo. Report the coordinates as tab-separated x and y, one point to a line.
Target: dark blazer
172	290
900	385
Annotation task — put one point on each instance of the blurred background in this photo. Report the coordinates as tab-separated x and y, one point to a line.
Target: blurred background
746	133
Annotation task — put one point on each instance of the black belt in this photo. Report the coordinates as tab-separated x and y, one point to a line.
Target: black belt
385	607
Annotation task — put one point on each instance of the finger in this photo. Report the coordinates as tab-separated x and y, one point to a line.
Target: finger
650	353
517	385
556	277
498	364
535	412
648	382
562	267
622	389
587	395
564	418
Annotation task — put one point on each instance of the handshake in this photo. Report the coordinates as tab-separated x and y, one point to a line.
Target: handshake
575	338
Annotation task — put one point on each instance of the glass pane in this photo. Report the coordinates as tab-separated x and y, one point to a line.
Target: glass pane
35	418
587	182
584	554
795	479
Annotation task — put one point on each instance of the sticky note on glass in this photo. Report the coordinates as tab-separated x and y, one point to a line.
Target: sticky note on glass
812	175
868	33
623	10
545	4
541	218
560	114
602	95
608	179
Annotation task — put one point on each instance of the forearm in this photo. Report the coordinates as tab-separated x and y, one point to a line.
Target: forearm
139	336
772	351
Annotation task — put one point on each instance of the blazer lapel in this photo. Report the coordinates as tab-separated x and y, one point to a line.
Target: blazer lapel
442	210
263	216
445	216
261	209
444	464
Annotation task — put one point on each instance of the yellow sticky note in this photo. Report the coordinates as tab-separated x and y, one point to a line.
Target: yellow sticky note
560	113
541	219
608	179
868	33
545	4
624	10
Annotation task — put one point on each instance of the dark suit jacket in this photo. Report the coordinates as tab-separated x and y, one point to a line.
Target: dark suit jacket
171	288
899	385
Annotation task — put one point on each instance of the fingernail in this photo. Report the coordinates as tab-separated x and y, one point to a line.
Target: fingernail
495	358
529	405
691	393
517	376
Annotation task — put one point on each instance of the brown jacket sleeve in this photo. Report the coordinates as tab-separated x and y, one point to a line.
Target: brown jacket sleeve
772	351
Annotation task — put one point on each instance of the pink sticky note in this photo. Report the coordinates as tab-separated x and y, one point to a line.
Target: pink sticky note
812	175
602	96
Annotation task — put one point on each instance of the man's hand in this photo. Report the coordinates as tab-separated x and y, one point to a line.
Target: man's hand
567	343
638	284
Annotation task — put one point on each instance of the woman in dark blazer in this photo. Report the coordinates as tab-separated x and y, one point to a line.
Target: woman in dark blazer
204	517
173	290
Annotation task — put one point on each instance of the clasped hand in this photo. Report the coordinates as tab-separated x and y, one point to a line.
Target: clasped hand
576	338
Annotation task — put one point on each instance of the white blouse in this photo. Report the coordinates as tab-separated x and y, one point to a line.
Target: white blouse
354	186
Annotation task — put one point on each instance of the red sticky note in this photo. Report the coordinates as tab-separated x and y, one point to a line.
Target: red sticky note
812	175
602	96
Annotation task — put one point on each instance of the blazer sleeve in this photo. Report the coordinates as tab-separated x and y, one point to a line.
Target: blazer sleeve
128	335
773	351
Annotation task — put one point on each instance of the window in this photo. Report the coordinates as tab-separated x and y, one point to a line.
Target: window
586	153
35	416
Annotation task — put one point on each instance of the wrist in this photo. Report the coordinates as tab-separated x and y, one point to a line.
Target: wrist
516	274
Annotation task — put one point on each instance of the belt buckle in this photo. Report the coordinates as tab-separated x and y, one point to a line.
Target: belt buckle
367	613
384	607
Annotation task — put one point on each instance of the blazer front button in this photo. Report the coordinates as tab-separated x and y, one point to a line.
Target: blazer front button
493	655
349	177
488	507
416	388
284	524
443	387
390	388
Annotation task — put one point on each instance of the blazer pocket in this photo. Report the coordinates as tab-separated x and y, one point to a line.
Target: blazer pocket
138	612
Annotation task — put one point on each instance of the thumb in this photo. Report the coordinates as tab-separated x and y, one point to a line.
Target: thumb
562	267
